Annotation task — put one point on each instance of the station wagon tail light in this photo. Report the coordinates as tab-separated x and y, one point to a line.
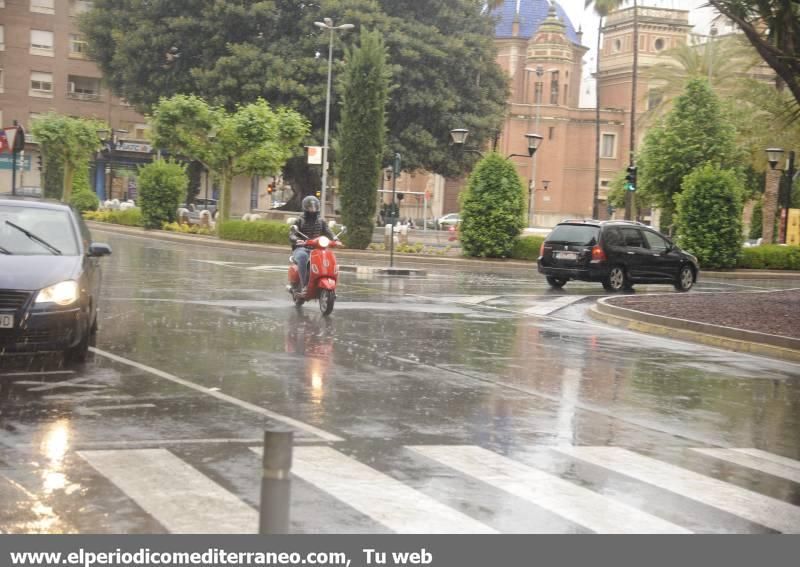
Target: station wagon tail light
324	242
597	254
64	293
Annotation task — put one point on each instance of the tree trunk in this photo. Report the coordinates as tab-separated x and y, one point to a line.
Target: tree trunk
69	173
596	193
225	197
770	205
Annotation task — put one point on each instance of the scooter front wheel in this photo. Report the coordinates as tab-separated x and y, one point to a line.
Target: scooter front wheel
326	300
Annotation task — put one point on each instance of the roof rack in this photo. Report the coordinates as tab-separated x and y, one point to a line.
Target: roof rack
581	220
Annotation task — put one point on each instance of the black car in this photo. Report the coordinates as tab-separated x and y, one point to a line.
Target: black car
616	253
49	279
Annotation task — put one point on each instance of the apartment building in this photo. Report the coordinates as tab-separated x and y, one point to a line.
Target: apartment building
44	67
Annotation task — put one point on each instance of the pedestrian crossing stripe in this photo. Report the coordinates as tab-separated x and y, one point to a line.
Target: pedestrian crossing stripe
184	500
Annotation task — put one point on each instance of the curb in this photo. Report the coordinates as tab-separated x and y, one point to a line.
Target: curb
739	340
200	240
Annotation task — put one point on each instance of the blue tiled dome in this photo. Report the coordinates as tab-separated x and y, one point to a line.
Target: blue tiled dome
531	14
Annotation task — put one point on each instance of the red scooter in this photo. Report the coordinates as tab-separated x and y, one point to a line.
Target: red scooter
322	274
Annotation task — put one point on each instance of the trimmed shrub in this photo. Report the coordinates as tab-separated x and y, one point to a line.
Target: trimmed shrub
269	232
129	217
771	257
84	201
492	209
162	188
709	216
527	247
186	228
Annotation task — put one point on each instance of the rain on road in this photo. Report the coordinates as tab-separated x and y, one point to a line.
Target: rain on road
473	401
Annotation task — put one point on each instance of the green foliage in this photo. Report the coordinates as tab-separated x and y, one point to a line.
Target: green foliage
362	132
252	140
162	188
709	216
237	52
493	209
84	201
693	133
269	232
128	217
771	257
527	247
756	220
70	142
53	176
186	228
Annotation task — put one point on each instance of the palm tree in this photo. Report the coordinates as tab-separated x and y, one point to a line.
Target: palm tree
601	8
726	62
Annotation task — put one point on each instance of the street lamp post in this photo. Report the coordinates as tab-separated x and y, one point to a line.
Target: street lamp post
713	34
776	178
327	24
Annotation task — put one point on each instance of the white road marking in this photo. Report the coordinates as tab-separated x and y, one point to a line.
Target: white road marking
220	396
73	383
150	443
552	305
470	299
757	461
181	498
575	503
220	263
382	498
268	268
34	373
741	502
119	407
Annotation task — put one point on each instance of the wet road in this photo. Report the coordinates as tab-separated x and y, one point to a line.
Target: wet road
457	402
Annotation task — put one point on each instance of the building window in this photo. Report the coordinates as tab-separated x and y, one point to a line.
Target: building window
554	87
654	98
43	6
1	86
78	47
2	38
617	46
537	93
83	88
41	42
608	147
551	132
41	84
659	44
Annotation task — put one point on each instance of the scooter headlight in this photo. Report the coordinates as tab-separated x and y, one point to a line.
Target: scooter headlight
63	294
324	241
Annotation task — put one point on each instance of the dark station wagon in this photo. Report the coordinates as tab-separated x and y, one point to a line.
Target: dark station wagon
617	254
49	279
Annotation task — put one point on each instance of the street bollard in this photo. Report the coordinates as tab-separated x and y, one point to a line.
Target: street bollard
403	234
387	236
276	483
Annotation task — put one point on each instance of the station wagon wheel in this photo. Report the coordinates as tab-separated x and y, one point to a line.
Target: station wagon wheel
616	279
556	282
685	279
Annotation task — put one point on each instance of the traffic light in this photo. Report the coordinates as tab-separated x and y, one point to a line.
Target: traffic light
318	194
39	164
270	188
630	178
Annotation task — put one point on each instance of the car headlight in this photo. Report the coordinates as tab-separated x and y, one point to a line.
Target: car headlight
63	293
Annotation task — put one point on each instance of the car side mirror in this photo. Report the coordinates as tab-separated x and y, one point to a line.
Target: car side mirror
97	250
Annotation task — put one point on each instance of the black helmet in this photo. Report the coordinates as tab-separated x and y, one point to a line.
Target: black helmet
311	204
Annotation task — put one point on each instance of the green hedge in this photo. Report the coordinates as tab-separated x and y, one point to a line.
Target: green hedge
129	217
771	257
527	247
270	232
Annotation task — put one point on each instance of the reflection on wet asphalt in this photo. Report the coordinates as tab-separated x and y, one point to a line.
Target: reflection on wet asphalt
201	349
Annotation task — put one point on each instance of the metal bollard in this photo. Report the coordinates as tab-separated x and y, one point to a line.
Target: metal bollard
276	483
387	236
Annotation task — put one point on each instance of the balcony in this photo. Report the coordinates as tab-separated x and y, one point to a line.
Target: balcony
85	89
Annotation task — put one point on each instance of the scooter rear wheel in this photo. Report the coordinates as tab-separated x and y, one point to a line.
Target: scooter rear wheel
326	300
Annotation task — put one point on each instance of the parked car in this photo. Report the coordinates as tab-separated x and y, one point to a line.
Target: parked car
49	279
616	253
199	205
447	221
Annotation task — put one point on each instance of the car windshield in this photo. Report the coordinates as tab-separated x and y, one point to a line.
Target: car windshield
51	226
575	234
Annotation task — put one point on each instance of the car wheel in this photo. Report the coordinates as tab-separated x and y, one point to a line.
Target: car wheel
556	282
80	352
685	279
616	280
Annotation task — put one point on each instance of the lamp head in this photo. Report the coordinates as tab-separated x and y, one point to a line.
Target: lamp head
533	143
459	136
774	156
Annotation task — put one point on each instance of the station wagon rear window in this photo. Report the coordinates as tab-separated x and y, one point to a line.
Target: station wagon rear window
575	234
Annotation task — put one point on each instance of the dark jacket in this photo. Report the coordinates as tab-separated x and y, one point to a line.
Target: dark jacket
311	229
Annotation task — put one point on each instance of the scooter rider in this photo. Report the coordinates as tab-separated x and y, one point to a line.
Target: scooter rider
312	225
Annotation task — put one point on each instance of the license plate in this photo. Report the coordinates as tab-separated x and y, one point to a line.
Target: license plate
566	255
6	321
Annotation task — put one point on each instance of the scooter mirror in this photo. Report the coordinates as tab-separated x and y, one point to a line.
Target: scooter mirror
293	229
